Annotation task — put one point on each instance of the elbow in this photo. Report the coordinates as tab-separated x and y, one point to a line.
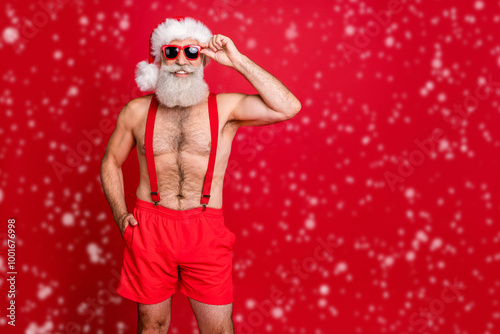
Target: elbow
104	166
109	161
104	161
294	110
297	107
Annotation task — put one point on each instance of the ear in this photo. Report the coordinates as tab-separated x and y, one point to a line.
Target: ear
205	60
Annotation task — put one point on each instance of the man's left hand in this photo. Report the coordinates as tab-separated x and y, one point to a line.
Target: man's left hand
222	49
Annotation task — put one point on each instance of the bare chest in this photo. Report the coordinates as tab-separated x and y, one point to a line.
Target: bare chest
178	131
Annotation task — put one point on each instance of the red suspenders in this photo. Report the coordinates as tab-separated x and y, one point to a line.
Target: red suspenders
214	132
148	146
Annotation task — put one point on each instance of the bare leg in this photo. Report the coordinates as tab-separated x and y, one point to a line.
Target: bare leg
154	318
213	319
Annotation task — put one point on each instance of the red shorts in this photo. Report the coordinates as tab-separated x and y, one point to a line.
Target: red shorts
189	251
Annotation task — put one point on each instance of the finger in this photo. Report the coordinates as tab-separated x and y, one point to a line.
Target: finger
213	40
208	53
210	44
204	45
131	220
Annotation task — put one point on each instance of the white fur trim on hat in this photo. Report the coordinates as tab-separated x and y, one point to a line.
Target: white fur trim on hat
146	74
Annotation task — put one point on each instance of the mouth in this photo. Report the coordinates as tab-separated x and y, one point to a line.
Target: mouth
181	74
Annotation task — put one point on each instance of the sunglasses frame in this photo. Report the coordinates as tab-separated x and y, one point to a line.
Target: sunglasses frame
182	49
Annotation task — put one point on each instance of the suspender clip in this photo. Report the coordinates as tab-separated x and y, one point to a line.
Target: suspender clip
155	193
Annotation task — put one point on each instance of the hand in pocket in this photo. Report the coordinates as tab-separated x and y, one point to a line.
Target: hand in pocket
126	220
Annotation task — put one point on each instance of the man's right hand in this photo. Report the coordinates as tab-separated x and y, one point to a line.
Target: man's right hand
126	219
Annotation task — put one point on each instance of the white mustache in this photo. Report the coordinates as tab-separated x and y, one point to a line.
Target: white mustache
180	68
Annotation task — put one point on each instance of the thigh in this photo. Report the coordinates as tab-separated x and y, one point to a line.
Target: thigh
205	264
149	272
213	318
154	316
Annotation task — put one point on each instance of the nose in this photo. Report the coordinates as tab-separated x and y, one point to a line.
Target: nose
181	59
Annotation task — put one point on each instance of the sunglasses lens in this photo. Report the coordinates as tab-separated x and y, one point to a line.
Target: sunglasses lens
191	52
171	52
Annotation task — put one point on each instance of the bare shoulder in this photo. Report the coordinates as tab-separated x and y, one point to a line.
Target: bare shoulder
226	102
136	109
138	104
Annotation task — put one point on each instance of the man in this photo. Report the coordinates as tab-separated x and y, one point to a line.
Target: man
183	134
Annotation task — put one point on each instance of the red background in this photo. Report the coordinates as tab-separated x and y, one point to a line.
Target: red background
322	176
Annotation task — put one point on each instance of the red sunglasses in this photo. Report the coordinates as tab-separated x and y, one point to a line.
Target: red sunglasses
192	52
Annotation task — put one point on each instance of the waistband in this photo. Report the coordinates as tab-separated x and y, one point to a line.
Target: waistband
177	213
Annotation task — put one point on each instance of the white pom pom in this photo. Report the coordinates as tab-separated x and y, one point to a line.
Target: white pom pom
146	76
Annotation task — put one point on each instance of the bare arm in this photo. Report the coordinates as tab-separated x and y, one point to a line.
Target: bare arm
119	146
274	103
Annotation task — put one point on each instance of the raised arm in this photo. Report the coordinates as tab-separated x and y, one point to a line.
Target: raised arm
273	103
251	110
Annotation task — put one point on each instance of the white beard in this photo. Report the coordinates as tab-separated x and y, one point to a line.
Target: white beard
173	91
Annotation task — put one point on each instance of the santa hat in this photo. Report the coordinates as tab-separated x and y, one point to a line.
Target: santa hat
175	28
